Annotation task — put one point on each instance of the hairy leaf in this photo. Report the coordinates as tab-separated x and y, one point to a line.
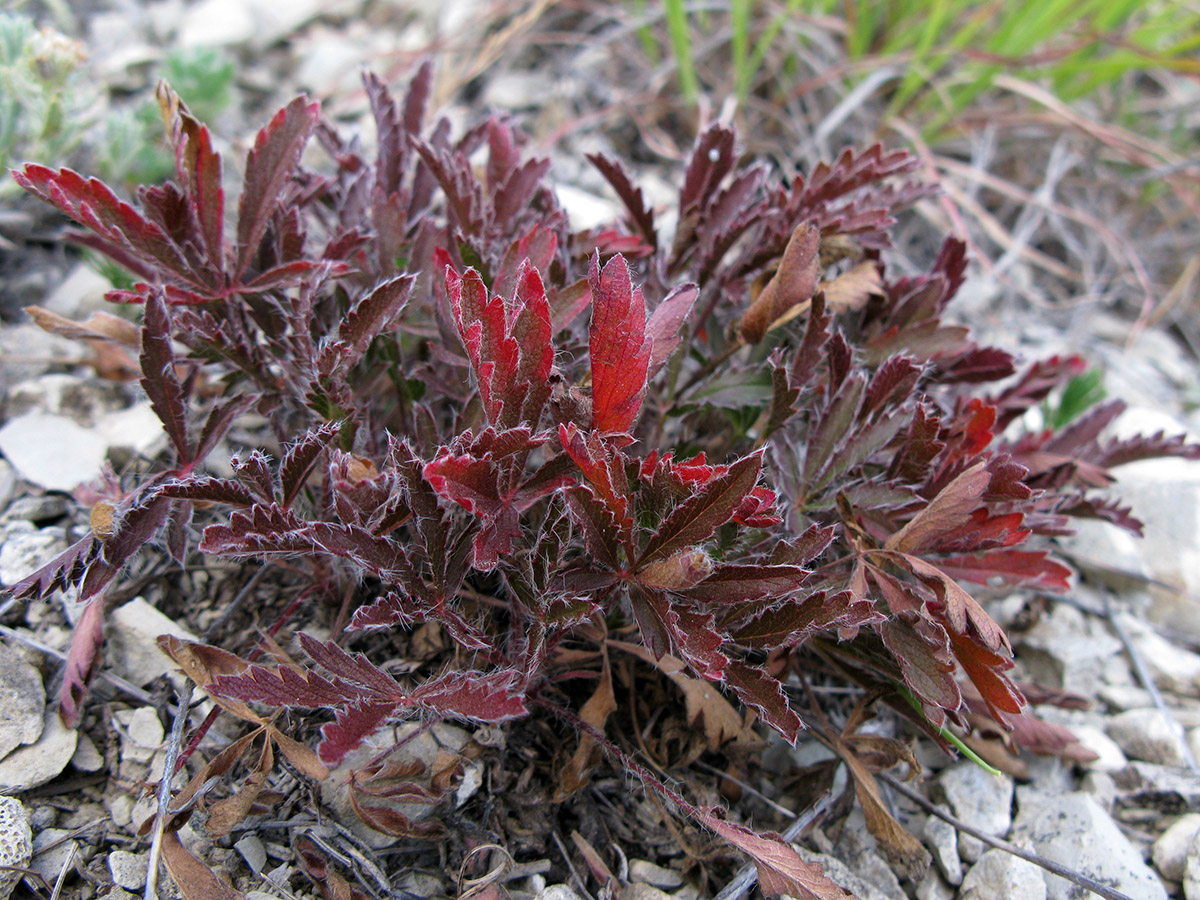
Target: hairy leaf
619	347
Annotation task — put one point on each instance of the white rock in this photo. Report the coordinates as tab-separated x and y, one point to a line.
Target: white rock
80	293
841	874
942	839
142	733
217	23
133	631
1165	494
1068	649
1110	757
1174	668
52	451
87	758
1102	787
134	430
128	870
34	764
980	798
1126	696
26	549
649	873
1171	849
22	701
556	892
932	887
586	210
1002	876
16	842
1073	830
1146	734
1107	553
1191	870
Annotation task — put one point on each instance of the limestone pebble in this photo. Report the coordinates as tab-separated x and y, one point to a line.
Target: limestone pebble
16	843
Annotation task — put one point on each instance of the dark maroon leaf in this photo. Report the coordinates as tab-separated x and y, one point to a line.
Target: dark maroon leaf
83	659
159	381
694	520
270	164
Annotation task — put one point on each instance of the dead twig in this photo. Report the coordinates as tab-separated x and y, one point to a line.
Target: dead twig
164	789
1049	865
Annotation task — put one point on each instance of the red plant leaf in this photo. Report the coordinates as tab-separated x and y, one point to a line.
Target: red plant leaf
83	659
736	583
619	347
663	328
478	697
757	689
91	203
780	868
948	512
198	168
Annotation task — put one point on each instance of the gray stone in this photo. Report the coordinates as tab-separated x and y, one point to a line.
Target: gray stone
1106	553
52	847
1073	830
840	874
1165	494
78	453
857	849
1148	735
1126	696
34	764
942	839
1068	649
978	797
16	843
128	870
22	701
133	631
556	892
26	549
26	352
38	510
1170	851
1146	784
81	400
253	852
8	483
1103	789
1001	876
932	887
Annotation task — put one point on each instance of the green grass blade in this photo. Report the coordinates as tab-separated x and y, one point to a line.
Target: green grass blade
681	45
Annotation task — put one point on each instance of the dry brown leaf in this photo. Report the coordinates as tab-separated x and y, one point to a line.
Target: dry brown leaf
903	850
851	290
593	859
793	283
202	663
595	712
705	704
99	326
303	758
195	880
225	814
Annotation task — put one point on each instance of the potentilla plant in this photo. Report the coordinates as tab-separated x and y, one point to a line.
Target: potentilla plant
740	449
